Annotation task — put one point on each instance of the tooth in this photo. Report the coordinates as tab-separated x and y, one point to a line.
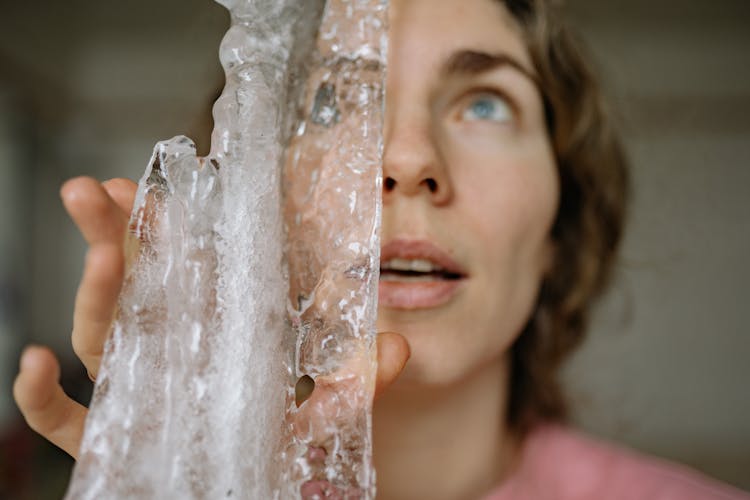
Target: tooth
414	265
400	264
421	266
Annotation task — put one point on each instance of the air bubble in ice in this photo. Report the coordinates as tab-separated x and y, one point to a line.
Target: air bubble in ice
324	110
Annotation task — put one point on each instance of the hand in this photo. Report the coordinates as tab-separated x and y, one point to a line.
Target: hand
338	395
101	212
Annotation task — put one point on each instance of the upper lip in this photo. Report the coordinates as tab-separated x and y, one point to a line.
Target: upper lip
420	249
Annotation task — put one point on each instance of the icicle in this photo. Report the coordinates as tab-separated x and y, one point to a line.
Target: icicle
233	293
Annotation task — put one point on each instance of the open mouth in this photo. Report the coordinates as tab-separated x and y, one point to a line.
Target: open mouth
415	271
417	274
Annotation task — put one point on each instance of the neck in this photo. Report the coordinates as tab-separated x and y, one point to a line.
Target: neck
444	442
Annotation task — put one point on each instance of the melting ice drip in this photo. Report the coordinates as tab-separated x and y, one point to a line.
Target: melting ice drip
195	395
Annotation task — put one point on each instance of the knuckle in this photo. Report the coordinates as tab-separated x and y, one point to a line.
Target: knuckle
82	345
87	351
47	422
106	260
79	347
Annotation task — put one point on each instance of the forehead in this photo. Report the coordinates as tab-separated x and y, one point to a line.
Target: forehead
424	33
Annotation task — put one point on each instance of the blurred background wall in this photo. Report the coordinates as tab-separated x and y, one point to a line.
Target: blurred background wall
88	87
666	366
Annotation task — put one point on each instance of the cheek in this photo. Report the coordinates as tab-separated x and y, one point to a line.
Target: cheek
500	216
510	204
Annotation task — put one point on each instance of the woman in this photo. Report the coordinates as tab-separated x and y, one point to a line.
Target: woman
503	180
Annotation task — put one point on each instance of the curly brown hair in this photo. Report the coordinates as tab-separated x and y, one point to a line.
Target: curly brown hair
588	228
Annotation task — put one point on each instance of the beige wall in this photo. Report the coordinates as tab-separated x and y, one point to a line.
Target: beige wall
666	367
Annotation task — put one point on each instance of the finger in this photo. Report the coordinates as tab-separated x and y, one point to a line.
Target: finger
102	222
122	192
340	396
95	303
99	218
393	353
44	404
315	489
335	398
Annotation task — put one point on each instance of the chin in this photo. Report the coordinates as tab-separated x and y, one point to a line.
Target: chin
444	351
437	356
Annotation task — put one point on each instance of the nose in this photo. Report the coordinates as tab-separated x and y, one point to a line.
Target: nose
412	164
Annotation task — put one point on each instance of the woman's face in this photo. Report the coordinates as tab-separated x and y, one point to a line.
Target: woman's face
470	186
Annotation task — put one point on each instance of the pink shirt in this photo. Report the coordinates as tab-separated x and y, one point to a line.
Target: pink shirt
560	464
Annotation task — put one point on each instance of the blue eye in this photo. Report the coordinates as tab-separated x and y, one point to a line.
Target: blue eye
487	107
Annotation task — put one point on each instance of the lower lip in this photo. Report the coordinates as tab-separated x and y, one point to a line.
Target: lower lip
416	295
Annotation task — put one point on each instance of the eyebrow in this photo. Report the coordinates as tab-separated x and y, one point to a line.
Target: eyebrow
473	62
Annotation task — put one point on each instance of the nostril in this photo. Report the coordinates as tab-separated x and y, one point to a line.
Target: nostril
431	184
389	183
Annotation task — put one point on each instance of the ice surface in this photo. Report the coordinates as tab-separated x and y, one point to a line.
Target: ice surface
234	292
331	185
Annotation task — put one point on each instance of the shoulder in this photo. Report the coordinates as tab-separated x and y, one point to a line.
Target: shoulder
560	463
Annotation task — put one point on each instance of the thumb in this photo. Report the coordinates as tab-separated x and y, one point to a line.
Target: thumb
47	409
393	353
336	397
